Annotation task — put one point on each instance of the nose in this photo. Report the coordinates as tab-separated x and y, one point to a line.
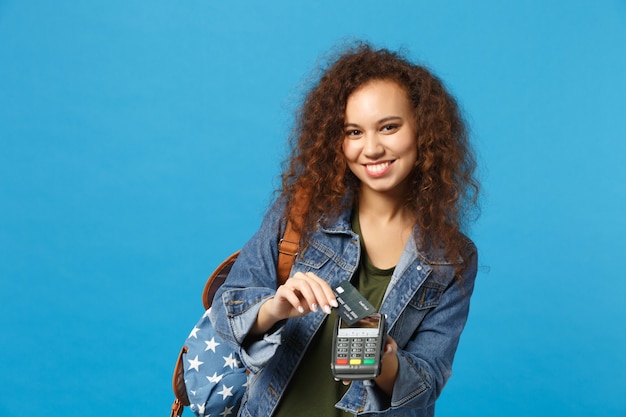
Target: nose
372	147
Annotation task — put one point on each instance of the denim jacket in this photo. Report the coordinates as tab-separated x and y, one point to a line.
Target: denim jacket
425	308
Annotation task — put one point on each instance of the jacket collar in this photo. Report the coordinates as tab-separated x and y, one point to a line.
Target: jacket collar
426	254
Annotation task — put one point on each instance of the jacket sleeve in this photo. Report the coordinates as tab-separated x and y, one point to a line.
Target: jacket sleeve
425	362
251	281
428	357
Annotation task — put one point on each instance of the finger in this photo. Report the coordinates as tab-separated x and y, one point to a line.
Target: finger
319	288
289	295
343	381
391	347
303	285
323	292
314	289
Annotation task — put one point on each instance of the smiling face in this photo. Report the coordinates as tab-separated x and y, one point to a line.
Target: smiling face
380	137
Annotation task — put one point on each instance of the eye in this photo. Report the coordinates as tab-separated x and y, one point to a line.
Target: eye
390	128
353	133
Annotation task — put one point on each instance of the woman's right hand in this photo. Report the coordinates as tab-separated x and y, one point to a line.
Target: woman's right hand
299	295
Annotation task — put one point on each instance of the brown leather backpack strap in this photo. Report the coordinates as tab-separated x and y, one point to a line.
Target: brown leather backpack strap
287	251
177	408
289	245
216	279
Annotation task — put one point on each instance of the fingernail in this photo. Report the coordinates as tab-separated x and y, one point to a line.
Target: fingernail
334	303
326	309
314	307
300	309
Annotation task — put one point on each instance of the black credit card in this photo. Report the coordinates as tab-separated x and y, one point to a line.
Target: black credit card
352	305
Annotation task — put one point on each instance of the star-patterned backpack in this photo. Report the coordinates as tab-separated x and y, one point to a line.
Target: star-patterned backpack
209	377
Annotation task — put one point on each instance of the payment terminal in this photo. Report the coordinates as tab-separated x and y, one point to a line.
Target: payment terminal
357	349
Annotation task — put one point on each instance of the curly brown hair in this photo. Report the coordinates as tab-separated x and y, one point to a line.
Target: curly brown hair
443	189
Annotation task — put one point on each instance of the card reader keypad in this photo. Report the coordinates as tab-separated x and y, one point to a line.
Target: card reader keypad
356	351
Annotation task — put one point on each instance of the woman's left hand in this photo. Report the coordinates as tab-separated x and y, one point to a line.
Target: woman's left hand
389	368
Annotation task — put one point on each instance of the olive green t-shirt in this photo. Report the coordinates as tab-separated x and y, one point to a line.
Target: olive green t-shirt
313	392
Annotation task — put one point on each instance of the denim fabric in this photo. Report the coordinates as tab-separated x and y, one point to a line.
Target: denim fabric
426	311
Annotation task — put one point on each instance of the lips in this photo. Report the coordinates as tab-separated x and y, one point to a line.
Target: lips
378	169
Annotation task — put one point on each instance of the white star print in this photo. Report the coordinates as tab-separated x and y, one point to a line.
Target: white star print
215	378
226	392
194	332
194	364
201	408
211	344
206	313
230	361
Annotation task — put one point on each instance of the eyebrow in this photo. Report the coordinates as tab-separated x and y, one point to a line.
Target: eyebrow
381	121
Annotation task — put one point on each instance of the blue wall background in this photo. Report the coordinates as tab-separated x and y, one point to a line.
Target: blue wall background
140	143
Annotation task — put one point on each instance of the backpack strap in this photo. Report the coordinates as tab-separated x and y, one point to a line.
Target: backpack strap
289	244
216	279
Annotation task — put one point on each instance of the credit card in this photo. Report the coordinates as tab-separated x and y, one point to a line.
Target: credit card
352	305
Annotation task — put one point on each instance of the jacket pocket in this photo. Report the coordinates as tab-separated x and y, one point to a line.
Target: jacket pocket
315	256
423	302
427	296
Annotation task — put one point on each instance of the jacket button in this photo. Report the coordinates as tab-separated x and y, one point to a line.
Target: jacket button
419	267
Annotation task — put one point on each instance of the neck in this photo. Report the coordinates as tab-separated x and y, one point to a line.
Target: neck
385	208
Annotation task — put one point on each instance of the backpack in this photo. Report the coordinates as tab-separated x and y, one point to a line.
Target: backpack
208	376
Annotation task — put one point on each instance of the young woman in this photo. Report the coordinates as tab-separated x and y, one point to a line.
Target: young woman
382	154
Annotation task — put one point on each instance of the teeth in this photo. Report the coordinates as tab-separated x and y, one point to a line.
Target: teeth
378	167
